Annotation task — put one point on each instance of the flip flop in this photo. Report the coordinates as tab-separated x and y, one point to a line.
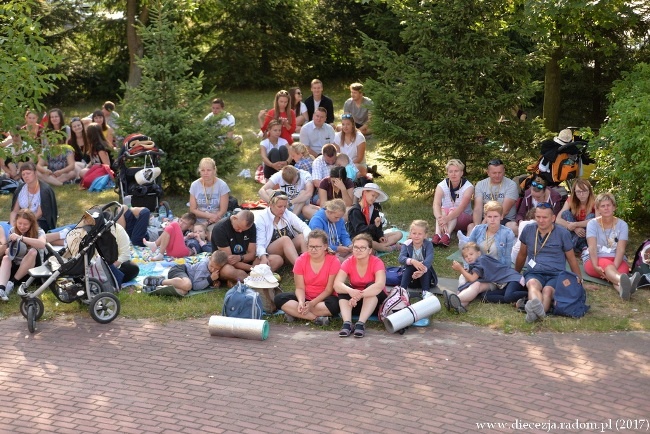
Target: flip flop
456	304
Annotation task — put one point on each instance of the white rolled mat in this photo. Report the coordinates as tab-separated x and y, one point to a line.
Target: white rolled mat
255	329
405	317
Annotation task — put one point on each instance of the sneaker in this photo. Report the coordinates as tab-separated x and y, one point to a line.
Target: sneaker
445	240
435	240
520	304
322	321
289	318
3	295
626	287
9	288
153	281
537	307
635	279
530	314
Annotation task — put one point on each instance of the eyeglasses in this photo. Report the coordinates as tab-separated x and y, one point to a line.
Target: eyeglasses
359	248
495	162
544	205
582	191
537	185
314	248
346	116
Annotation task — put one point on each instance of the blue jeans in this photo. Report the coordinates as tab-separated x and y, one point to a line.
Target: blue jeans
137	227
425	279
510	294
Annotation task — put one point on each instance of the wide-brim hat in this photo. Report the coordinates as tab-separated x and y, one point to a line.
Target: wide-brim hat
261	277
564	137
147	175
383	197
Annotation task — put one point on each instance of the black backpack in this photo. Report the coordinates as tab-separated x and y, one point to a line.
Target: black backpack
570	296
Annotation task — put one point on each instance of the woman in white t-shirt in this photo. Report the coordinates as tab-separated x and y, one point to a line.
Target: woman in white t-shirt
451	203
607	238
352	143
209	195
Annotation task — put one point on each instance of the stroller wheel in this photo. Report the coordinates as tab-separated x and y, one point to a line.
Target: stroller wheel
31	317
38	309
104	307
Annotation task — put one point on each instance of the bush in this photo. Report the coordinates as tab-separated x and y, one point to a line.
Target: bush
624	143
168	105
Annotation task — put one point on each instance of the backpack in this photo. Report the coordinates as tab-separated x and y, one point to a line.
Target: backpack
242	302
565	167
570	296
394	276
397	299
7	185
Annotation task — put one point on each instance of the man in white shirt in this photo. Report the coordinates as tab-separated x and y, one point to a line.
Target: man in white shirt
298	187
315	134
227	120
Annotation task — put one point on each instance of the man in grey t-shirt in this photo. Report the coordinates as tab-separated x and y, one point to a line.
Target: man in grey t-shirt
357	105
496	187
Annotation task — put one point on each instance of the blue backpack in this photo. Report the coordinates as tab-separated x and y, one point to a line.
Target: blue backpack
242	302
570	296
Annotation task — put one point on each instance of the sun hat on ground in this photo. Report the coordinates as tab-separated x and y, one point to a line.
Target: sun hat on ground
261	277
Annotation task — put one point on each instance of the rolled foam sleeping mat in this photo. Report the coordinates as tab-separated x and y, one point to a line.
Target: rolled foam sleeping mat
415	312
255	329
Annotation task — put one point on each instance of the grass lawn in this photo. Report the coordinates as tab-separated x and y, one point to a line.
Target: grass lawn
608	312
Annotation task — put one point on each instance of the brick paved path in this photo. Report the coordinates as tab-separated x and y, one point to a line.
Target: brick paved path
76	376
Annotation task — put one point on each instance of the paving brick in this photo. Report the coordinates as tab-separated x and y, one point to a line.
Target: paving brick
176	378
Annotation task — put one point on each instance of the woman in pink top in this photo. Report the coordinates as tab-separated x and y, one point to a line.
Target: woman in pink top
366	289
314	272
282	113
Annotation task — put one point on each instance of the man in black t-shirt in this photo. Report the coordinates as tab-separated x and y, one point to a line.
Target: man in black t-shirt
237	237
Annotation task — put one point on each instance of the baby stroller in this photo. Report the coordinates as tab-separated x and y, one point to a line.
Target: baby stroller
138	173
81	272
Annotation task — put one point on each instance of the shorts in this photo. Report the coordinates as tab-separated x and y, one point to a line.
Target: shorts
177	270
331	301
356	310
358	125
546	279
603	263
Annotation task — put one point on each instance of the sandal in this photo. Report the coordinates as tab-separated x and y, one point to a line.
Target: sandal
359	330
456	304
346	330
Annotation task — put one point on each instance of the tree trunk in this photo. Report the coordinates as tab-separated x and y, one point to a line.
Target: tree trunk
552	80
133	40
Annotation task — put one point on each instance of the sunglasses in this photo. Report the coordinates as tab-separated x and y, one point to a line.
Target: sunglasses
544	205
346	116
537	185
495	162
279	194
75	119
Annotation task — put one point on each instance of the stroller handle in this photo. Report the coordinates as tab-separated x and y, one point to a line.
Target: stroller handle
115	209
54	252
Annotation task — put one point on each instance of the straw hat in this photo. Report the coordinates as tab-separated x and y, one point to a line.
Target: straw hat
261	277
564	137
383	197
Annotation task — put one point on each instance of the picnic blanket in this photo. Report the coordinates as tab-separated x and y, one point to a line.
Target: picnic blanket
142	257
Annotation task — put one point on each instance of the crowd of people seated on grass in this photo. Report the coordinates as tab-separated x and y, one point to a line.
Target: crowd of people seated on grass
324	219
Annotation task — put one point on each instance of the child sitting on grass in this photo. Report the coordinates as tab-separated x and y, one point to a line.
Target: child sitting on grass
187	277
484	273
197	240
